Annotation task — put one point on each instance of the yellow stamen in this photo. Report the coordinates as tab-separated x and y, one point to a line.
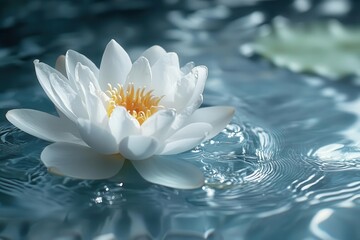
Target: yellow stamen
139	103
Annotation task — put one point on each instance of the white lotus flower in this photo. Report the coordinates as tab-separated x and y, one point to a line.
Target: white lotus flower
135	111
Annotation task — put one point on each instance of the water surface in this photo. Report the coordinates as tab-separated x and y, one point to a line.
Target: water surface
287	165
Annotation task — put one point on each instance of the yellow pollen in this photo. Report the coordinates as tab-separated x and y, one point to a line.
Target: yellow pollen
141	104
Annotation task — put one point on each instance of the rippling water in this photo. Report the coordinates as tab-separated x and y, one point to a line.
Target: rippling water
286	167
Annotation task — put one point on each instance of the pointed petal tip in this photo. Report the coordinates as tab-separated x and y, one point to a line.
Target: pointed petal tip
113	42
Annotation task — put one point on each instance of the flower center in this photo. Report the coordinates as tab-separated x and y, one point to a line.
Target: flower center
141	104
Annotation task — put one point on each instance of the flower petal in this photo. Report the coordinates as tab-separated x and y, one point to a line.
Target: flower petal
84	76
166	74
186	138
138	147
186	69
60	65
186	108
41	125
218	117
153	54
97	137
140	74
200	73
65	94
72	58
170	172
122	125
115	65
94	106
158	124
44	73
80	161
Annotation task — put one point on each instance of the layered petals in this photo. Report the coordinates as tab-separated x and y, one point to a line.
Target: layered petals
73	58
166	73
134	111
153	54
159	124
122	125
80	161
138	147
97	137
140	74
44	73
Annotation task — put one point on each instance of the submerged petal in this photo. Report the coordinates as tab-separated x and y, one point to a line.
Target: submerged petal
42	125
80	161
218	117
171	173
138	147
115	65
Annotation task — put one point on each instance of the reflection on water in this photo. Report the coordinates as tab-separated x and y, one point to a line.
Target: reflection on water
287	165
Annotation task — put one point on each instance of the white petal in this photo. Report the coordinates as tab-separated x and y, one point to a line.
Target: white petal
94	106
79	161
184	91
200	73
182	117
122	124
218	117
60	65
187	68
153	54
181	145
140	73
186	138
44	73
186	108
41	125
72	58
115	66
158	124
84	76
170	172
65	94
138	147
166	74
97	137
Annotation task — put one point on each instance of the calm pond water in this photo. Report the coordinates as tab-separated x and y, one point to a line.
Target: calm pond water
286	167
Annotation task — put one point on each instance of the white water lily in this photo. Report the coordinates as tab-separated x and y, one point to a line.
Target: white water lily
123	111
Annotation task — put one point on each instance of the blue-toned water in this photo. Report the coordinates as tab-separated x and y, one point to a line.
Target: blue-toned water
286	167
